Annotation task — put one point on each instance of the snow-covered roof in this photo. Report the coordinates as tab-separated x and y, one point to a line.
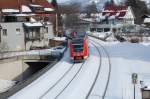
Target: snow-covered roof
147	20
48	9
21	15
108	11
32	20
25	8
88	19
112	17
59	38
122	10
34	5
103	17
33	24
9	10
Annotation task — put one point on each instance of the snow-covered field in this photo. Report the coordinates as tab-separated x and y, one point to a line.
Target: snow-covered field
126	58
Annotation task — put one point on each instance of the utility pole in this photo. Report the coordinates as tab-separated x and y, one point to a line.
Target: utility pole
56	24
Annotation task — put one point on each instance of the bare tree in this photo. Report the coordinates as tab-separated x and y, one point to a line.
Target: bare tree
91	8
71	12
70	8
139	9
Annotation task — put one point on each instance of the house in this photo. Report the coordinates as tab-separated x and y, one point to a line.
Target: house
25	24
146	19
112	14
118	14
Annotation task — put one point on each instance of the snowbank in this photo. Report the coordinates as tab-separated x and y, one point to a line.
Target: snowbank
56	51
59	38
5	85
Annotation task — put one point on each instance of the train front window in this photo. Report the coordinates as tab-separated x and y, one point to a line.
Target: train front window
78	47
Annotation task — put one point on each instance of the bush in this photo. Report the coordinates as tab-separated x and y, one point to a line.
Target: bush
119	38
134	40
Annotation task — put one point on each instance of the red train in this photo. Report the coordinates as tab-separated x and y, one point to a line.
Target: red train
79	48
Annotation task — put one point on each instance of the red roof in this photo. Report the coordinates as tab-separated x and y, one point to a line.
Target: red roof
44	3
115	7
9	4
113	10
121	14
112	13
15	4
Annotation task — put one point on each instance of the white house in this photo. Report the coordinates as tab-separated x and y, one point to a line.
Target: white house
29	29
113	14
118	14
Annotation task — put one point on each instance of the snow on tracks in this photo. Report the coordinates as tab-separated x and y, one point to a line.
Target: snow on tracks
81	85
40	86
101	86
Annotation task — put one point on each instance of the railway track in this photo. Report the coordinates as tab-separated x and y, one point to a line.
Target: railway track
76	73
109	73
94	82
42	97
75	77
97	72
70	81
57	82
94	79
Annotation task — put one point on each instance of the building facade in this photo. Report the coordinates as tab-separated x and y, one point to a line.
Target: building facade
25	24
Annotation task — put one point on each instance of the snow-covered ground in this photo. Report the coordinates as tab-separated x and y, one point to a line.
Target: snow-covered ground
126	58
5	85
44	87
102	35
45	82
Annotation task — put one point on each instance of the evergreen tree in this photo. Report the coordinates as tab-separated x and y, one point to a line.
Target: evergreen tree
139	9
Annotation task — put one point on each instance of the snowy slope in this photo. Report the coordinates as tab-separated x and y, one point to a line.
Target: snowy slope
81	83
46	81
127	58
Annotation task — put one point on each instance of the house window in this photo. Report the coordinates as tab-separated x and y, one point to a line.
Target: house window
5	32
46	29
99	29
18	31
92	29
106	29
33	34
